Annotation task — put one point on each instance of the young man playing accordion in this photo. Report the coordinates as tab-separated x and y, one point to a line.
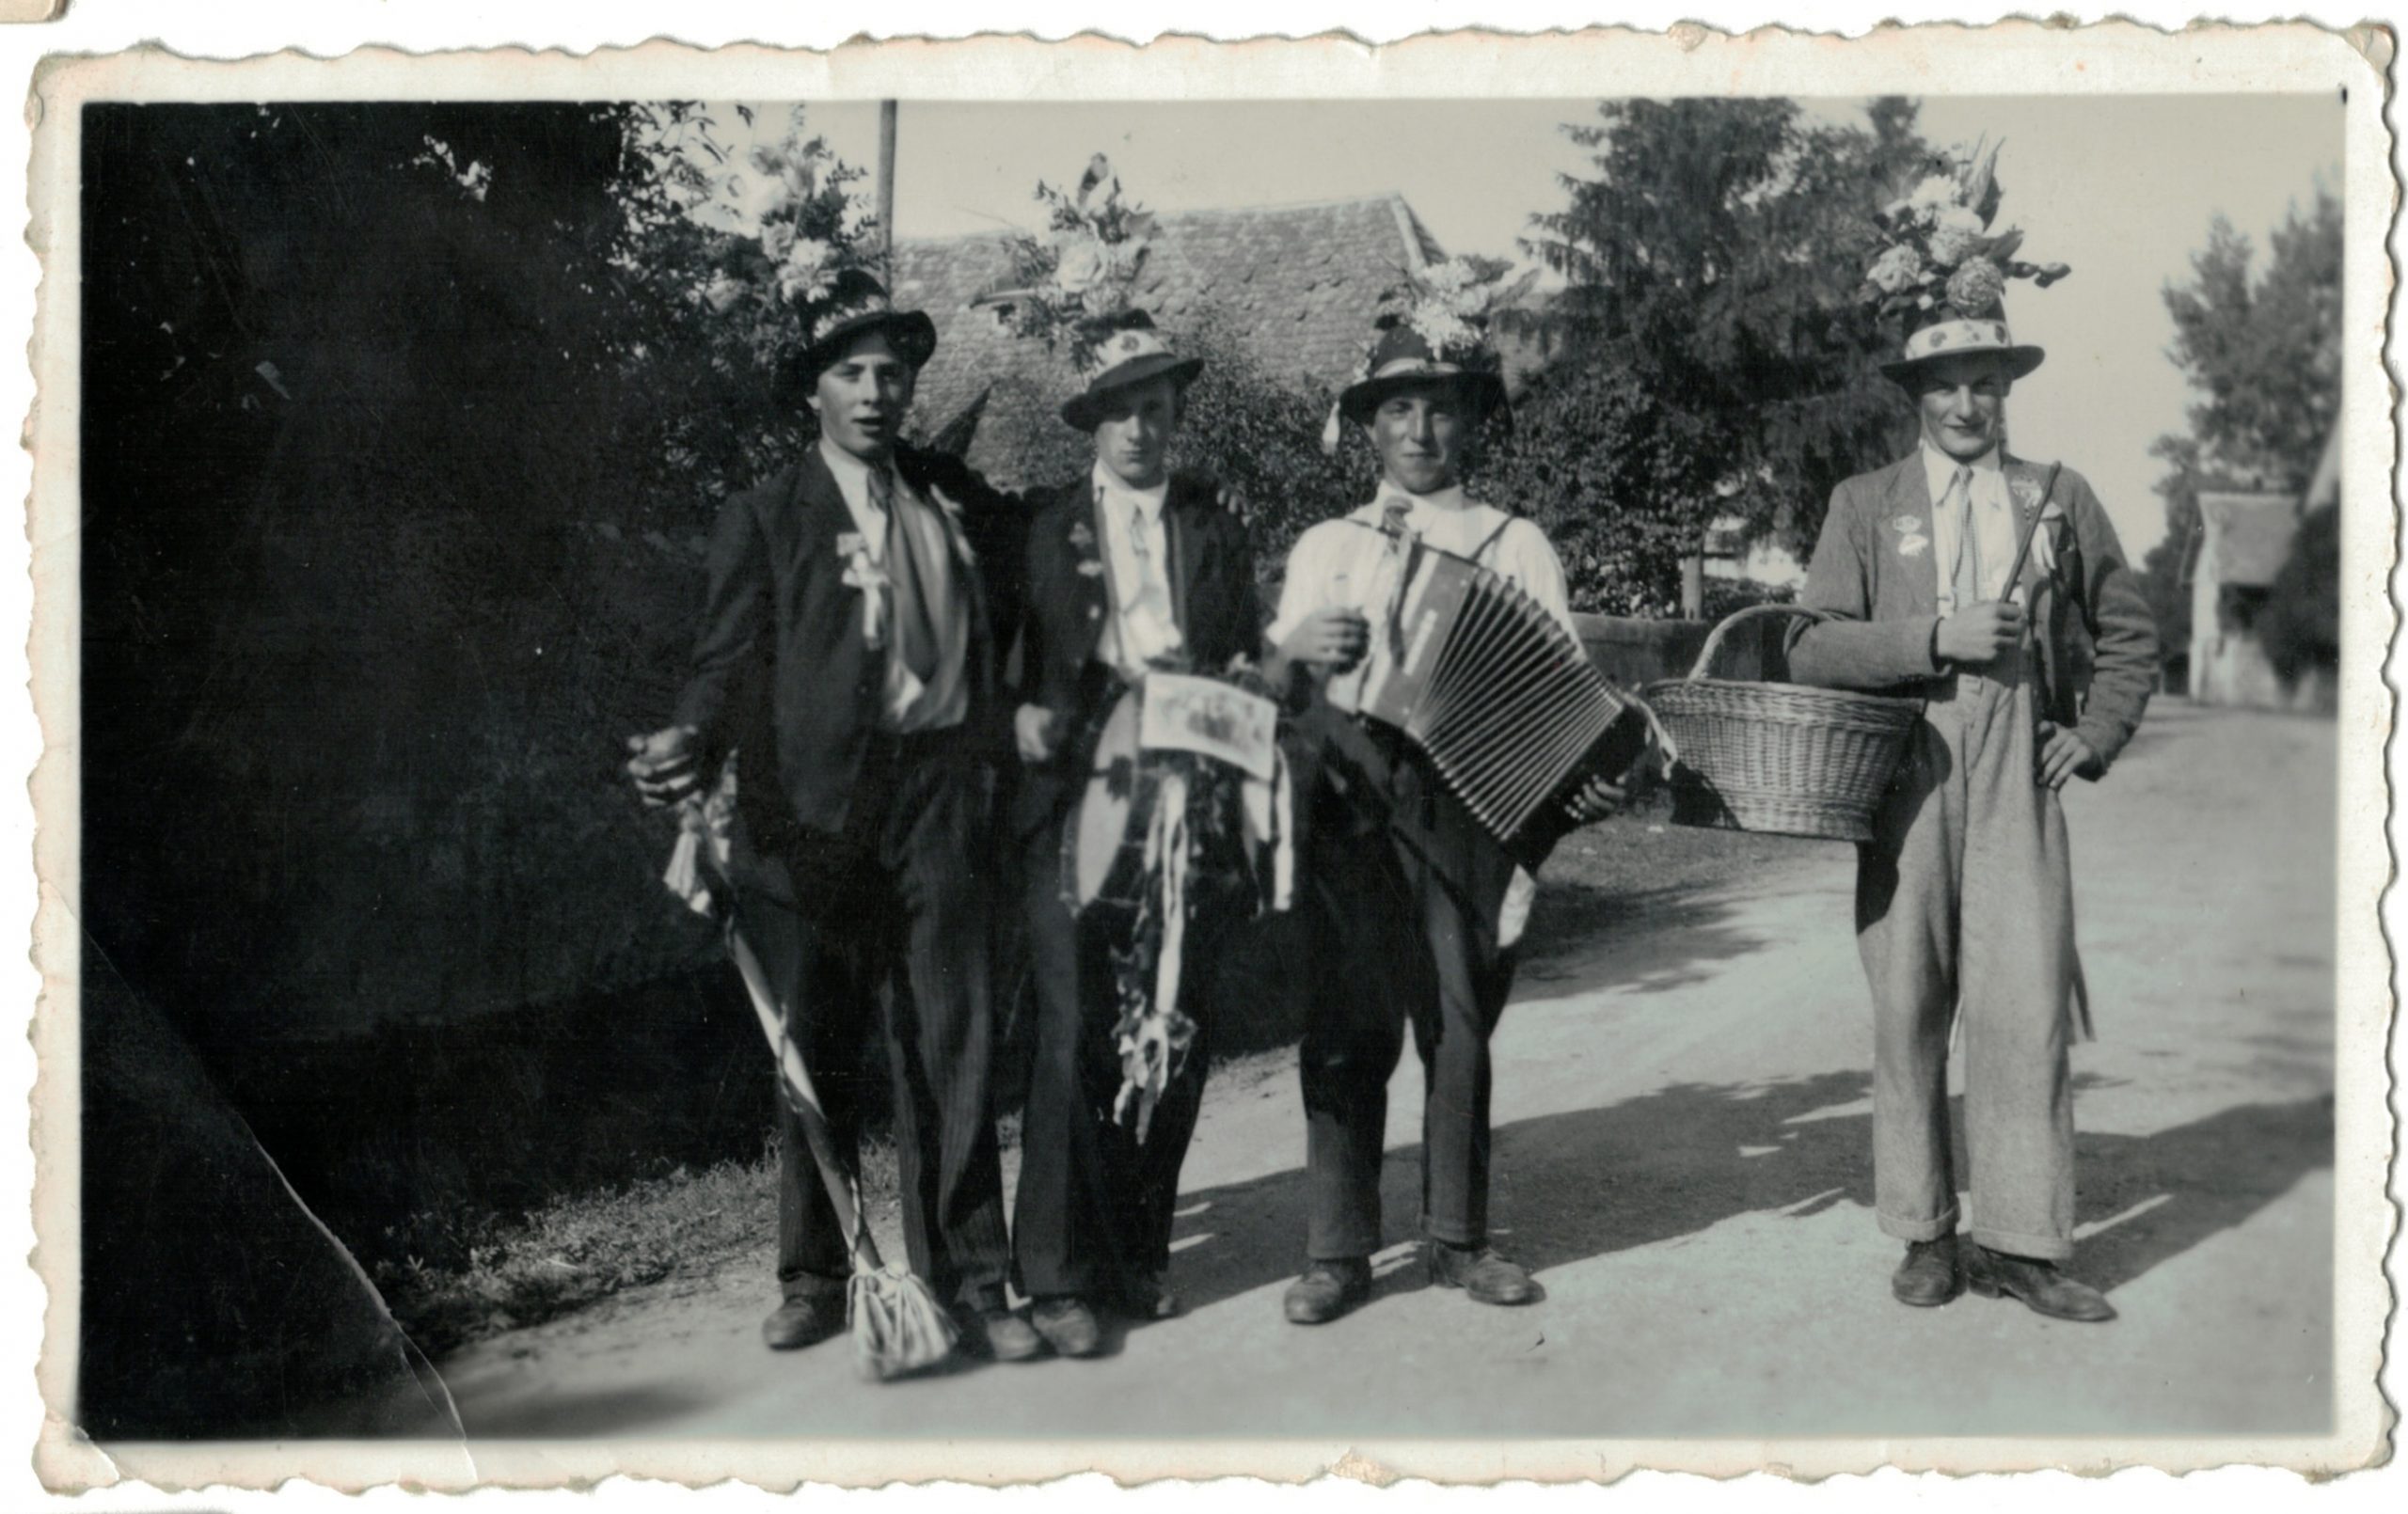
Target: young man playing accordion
1405	893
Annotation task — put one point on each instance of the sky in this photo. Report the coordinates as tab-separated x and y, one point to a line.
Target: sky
2121	188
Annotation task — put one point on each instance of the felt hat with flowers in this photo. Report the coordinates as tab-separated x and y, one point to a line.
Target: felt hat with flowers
1116	351
1076	286
1432	328
852	302
1942	271
801	281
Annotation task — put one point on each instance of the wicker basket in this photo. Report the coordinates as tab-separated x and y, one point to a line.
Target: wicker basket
1777	757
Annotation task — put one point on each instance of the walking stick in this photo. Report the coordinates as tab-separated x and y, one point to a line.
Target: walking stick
2032	529
897	1324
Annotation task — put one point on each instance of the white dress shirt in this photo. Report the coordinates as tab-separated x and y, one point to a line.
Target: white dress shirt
909	704
1337	563
1145	622
1993	517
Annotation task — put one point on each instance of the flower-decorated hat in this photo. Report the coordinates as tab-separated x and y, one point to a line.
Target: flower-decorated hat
1435	328
801	281
1118	350
853	303
1944	272
1077	284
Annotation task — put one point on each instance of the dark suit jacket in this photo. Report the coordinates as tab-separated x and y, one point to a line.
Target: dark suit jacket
779	668
1874	572
1212	598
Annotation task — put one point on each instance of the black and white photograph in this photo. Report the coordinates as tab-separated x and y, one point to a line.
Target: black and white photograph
858	769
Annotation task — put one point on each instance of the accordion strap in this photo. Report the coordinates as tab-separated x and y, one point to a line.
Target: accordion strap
1479	553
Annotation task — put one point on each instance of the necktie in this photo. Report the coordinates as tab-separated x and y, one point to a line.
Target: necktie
1965	579
915	632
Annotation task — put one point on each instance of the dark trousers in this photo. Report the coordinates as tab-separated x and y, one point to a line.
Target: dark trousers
901	899
1094	1208
1394	944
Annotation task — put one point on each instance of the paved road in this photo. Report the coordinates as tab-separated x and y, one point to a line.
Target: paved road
1683	1152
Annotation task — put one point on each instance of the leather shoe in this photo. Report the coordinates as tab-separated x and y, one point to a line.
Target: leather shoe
1068	1325
1487	1277
1146	1298
1929	1276
804	1319
2043	1289
1327	1290
999	1336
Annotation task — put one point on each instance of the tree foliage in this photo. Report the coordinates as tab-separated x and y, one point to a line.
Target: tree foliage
391	477
1711	327
2263	352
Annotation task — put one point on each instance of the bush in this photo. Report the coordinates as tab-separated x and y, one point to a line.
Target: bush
2300	620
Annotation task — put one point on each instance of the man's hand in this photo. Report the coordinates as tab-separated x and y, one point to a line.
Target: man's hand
662	765
2064	755
1597	800
1979	633
1235	503
1334	637
1038	730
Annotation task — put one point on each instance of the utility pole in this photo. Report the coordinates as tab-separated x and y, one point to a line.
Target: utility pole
886	109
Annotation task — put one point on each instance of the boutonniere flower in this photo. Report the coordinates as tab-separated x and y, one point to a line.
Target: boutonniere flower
862	574
1907	525
1082	536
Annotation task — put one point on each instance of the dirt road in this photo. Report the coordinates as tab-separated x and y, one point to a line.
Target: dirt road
1682	1151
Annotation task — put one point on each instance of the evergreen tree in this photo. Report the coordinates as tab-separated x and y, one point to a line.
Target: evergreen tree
1710	357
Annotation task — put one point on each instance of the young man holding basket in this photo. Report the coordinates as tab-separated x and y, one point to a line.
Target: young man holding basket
1995	591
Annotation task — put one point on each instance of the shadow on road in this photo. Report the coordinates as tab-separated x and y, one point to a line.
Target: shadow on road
1679	1161
1638	940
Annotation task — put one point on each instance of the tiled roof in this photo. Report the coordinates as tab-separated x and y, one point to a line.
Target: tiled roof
1297	282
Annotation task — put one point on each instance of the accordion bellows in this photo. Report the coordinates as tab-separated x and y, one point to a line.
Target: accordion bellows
1501	697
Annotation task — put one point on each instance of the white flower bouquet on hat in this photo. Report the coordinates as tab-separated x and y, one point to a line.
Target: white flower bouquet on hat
1939	255
810	229
1067	284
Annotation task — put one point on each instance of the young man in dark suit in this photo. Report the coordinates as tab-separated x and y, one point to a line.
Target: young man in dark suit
850	655
1128	565
1964	902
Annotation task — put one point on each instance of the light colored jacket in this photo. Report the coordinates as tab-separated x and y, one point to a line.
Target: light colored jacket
1875	574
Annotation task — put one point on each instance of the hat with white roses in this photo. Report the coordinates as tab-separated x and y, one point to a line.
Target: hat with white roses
1944	266
1434	330
1116	351
1403	356
852	302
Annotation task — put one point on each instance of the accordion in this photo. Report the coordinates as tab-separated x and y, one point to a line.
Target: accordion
1501	698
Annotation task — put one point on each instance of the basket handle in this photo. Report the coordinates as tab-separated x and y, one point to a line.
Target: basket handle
1714	638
